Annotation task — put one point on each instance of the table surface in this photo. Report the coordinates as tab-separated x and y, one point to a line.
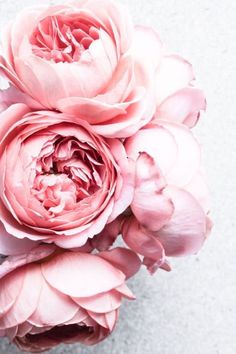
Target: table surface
191	310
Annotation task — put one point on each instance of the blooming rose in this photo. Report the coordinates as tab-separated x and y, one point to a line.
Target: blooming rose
86	59
170	202
50	297
59	182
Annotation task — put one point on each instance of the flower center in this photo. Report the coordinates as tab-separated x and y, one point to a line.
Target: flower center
67	172
61	333
63	38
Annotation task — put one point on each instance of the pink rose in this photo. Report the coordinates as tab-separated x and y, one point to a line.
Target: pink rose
170	202
59	182
50	297
86	59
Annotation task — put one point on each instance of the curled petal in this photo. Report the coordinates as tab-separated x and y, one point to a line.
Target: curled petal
141	241
36	254
125	260
186	231
10	245
109	234
184	106
151	207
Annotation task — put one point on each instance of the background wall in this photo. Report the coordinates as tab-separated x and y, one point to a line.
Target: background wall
193	309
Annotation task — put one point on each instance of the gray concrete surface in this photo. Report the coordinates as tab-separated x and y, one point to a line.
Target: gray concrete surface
193	309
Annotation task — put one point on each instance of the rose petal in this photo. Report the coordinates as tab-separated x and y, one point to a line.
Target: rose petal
186	231
125	260
73	274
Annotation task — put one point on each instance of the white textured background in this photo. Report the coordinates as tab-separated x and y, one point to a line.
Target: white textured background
193	309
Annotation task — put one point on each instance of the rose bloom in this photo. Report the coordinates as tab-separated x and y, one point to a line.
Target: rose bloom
50	297
170	205
83	58
59	182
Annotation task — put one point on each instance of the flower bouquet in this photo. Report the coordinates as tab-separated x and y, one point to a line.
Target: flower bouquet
95	146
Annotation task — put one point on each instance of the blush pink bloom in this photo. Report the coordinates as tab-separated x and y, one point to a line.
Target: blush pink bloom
50	297
170	204
85	58
59	182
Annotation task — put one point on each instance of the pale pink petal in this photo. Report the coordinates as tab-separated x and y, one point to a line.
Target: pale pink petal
100	303
10	245
13	95
11	286
141	241
10	116
80	316
109	234
73	274
185	233
173	74
150	205
123	197
125	260
27	298
146	50
157	142
111	319
184	106
188	159
53	308
36	254
99	318
199	189
126	292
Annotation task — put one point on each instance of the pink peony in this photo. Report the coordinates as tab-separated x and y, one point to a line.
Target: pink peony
85	58
50	297
59	182
170	204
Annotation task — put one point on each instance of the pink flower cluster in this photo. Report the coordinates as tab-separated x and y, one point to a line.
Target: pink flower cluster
95	144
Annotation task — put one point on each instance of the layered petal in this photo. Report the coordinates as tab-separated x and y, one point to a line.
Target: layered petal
72	274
